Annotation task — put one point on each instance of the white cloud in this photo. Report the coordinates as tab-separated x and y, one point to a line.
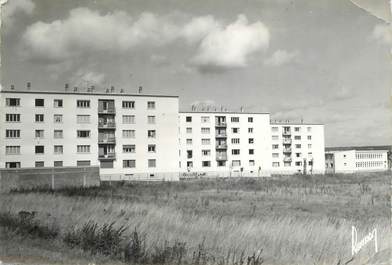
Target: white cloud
9	9
231	46
198	28
87	78
281	57
383	33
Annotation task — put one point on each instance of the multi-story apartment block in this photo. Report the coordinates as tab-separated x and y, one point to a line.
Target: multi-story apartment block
356	159
297	148
127	135
225	143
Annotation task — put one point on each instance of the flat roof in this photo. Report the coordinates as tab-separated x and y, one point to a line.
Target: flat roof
360	148
71	92
295	123
223	112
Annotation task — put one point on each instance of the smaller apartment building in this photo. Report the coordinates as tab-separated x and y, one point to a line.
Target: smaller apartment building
224	144
356	160
297	148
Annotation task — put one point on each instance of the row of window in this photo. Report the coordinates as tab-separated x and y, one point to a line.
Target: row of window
58	103
296	137
368	156
81	119
288	164
206	130
276	155
287	129
370	164
298	146
189	153
207	141
126	163
207	163
79	133
206	119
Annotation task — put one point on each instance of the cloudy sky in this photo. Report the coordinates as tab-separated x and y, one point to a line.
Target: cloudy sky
326	61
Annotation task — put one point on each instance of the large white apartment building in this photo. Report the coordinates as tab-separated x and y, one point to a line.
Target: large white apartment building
138	136
128	136
225	144
297	148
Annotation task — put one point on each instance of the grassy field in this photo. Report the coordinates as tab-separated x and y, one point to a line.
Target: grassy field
280	220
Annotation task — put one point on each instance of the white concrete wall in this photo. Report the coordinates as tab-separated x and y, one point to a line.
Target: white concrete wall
351	161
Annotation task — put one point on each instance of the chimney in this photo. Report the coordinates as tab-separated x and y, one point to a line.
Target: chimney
66	87
121	90
92	88
12	87
28	85
140	89
112	89
242	109
107	90
88	89
75	89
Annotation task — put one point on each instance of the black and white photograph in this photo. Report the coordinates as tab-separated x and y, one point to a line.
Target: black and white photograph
195	132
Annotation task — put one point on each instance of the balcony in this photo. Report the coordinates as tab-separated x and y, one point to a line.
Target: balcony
107	125
287	141
107	140
220	134
106	111
108	156
221	157
221	146
286	133
286	150
287	159
222	124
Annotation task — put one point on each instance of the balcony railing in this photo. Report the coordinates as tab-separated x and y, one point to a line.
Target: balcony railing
221	146
107	111
286	133
108	156
110	124
287	140
220	124
221	157
220	134
286	150
106	140
287	159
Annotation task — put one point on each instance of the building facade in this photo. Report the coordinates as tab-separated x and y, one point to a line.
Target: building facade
127	136
297	148
356	160
224	144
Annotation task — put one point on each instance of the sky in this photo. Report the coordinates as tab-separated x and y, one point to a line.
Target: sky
324	61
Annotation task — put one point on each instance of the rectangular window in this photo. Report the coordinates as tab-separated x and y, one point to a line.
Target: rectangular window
205	119
275	146
58	163
235	140
39	149
58	134
250	130
206	152
250	119
151	105
39	164
151	148
189	154
275	129
297	154
58	103
309	146
309	137
152	163
83	149
206	163
251	151
236	163
235	119
151	119
298	163
297	129
297	137
12	102
58	118
129	148
83	163
82	119
275	155
205	141
188	130
275	137
128	104
297	146
39	133
151	133
309	129
39	102
83	134
251	140
205	130
188	141
128	119
12	117
58	149
251	163
235	130
39	117
12	164
128	133
275	164
129	163
12	150
188	119
83	104
12	133
235	151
